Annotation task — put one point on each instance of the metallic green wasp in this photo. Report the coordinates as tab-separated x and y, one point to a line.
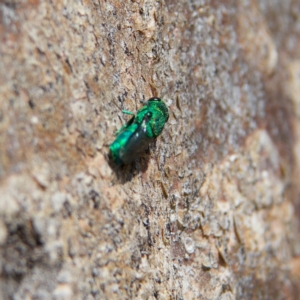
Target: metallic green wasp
139	131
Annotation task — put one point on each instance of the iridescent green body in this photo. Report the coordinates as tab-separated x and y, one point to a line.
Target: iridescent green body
139	131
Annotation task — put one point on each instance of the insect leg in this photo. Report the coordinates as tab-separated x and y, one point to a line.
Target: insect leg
127	112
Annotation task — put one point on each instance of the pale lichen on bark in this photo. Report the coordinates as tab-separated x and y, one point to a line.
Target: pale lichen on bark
210	211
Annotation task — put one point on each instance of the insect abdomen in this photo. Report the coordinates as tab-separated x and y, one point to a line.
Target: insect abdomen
117	147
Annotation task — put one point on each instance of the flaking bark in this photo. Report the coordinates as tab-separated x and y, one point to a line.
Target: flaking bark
210	211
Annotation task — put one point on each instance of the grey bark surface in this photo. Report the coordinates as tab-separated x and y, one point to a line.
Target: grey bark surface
210	211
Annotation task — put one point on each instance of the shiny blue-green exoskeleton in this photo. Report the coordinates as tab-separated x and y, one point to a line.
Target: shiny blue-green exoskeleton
136	135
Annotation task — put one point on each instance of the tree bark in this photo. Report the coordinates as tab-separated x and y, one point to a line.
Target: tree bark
210	211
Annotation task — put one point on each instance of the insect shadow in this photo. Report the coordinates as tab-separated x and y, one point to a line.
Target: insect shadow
126	173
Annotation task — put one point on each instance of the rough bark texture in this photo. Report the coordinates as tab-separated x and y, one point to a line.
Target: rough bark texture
211	210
